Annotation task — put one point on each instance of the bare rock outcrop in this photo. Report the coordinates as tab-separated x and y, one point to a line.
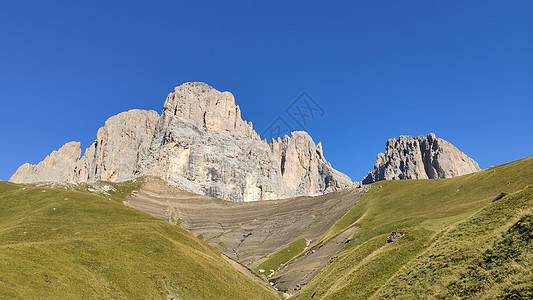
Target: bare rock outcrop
200	144
52	168
206	108
120	144
114	156
394	236
420	158
303	166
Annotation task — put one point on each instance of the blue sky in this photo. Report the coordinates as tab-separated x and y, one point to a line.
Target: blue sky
378	69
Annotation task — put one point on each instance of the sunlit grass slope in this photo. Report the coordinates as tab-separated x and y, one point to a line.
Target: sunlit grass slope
278	259
65	244
488	256
426	211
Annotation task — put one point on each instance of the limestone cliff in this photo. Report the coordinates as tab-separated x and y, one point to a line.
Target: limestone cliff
201	144
114	156
118	148
52	168
420	158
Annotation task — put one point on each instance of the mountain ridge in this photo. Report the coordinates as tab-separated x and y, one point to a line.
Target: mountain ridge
200	144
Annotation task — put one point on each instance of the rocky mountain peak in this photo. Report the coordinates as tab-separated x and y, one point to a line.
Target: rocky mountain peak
421	157
207	108
200	144
120	144
52	167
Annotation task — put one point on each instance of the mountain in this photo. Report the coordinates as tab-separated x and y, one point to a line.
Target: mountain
462	237
420	158
114	156
426	238
200	144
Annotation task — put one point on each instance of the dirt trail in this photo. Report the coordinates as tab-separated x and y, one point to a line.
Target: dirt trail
302	270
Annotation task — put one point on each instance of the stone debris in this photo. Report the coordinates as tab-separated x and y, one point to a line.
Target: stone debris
394	236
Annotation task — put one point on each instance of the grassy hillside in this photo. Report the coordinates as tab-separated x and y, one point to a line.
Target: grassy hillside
82	242
427	211
64	244
278	259
488	256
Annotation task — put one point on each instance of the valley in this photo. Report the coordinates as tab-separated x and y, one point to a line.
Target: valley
92	239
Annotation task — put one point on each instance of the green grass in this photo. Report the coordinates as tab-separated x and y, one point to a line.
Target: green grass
74	242
488	256
57	243
278	259
404	203
422	209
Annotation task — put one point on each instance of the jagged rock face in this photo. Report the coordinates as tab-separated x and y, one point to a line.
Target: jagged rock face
52	168
303	166
201	144
118	148
420	158
206	108
114	156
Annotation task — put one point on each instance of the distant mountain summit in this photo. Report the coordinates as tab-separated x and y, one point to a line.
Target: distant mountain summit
200	144
420	158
